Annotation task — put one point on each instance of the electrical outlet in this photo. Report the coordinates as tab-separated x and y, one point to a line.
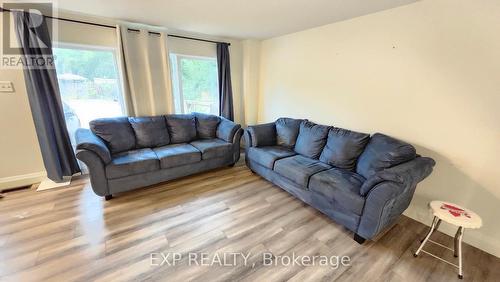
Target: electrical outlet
6	86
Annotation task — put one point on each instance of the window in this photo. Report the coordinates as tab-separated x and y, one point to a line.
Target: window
89	84
195	84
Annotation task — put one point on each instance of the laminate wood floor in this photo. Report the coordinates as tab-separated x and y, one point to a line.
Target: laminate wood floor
70	234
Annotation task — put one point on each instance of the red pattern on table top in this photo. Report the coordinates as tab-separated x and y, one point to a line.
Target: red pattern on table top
455	211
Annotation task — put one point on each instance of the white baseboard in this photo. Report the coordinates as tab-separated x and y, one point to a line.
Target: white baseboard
21	180
47	184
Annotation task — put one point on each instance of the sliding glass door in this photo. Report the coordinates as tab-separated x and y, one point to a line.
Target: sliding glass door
89	83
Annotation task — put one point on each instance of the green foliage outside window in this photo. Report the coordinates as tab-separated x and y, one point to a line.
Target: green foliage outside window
87	63
87	74
199	79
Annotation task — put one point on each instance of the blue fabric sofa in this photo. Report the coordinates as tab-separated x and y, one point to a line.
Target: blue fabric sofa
360	181
126	153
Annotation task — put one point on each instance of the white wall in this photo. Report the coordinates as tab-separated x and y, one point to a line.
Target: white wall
20	158
21	161
427	73
251	57
192	48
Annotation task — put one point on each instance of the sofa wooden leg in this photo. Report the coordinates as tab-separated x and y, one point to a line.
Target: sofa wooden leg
108	197
359	239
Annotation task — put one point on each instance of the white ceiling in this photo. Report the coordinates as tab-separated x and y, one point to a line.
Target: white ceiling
257	19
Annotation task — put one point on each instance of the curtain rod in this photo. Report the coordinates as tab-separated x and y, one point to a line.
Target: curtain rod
114	27
197	39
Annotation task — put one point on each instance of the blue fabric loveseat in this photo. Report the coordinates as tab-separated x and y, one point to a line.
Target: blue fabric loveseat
360	181
126	153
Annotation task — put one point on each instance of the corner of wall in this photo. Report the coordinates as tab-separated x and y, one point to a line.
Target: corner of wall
251	65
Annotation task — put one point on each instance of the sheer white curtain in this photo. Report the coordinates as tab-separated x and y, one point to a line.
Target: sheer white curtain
145	70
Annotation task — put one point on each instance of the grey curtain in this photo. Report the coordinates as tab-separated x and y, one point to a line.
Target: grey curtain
225	89
44	98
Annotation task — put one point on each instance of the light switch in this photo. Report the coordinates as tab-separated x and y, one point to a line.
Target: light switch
6	86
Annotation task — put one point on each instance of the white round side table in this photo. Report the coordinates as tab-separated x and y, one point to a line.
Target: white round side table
456	215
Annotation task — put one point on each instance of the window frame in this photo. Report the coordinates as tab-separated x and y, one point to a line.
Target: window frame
177	83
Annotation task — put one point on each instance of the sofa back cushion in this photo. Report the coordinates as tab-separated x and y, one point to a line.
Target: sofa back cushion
383	152
117	133
181	128
263	134
206	125
343	148
150	132
311	139
287	130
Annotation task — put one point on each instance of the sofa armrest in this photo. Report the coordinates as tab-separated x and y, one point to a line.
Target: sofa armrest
97	171
236	144
389	193
86	140
237	136
226	130
413	171
261	135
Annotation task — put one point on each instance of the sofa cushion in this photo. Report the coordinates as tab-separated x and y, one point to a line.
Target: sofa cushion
343	148
267	156
117	133
174	155
383	152
299	169
311	139
131	163
150	131
340	187
263	134
206	125
213	148
181	127
287	130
